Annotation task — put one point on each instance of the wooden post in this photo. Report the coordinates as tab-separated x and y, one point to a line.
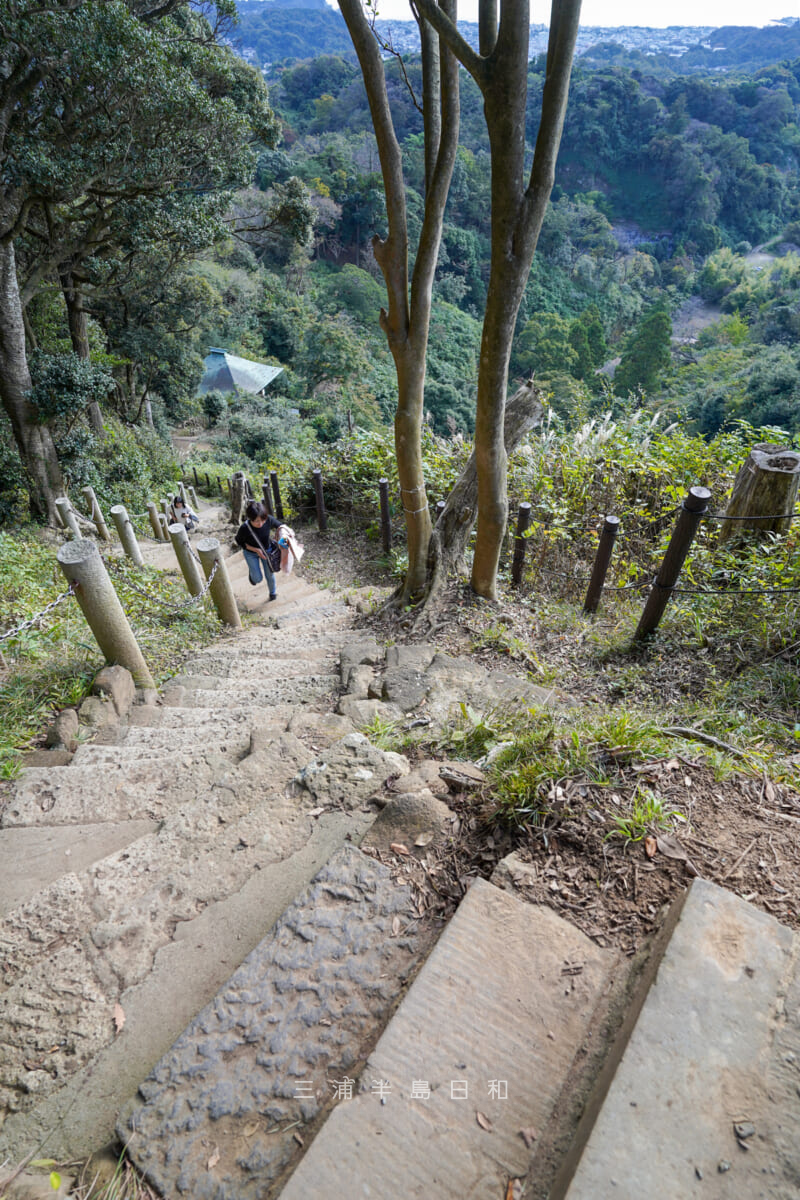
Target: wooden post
322	517
605	548
276	492
208	485
386	524
96	514
194	500
81	563
238	498
190	568
196	480
441	505
518	561
686	525
68	516
119	515
209	552
219	486
155	524
164	523
182	493
248	488
267	496
767	482
165	506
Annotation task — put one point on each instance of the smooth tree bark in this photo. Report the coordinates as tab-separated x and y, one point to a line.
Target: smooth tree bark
406	319
518	208
34	441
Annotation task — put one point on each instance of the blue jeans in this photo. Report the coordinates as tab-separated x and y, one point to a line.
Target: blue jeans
255	565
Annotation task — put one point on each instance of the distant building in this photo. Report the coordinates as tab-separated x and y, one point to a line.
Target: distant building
226	372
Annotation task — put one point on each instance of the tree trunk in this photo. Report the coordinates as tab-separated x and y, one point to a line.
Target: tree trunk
410	366
34	441
451	533
148	413
767	482
79	335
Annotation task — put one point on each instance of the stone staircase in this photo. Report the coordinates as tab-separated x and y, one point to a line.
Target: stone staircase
197	953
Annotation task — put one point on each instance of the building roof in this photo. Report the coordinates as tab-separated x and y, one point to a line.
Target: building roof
225	372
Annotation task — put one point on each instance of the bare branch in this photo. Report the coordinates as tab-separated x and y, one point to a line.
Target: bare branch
388	47
449	34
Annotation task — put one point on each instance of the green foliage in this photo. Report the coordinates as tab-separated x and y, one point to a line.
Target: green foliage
215	406
64	385
646	355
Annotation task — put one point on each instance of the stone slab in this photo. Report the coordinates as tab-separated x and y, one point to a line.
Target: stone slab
716	1043
492	1003
299	1012
31	859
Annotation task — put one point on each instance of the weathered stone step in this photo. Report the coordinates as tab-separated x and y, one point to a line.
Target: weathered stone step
478	1050
197	691
228	738
73	795
261	664
706	1098
317	728
72	1107
221	1109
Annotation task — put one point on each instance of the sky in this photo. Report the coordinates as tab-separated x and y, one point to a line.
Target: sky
657	13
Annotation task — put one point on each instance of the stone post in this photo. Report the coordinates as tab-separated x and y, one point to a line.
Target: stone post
164	502
182	492
68	516
163	524
96	514
155	524
82	565
119	515
194	500
221	591
190	568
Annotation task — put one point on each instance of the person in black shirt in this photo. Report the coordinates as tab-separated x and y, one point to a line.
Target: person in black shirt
253	537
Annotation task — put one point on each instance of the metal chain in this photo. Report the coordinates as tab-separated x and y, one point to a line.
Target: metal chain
35	620
792	516
154	599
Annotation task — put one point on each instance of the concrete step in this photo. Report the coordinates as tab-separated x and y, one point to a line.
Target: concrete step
219	1113
478	1050
715	1049
70	1092
198	691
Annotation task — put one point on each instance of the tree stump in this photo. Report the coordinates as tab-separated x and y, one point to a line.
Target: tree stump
766	483
238	498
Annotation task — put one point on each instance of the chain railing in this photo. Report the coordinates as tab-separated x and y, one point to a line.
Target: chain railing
29	624
114	569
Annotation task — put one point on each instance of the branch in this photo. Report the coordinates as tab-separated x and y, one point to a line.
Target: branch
449	34
389	48
564	21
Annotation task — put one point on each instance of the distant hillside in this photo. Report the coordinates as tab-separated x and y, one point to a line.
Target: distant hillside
271	30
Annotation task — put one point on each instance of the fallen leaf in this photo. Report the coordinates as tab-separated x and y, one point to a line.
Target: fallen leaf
399	848
315	812
650	846
119	1016
298	1139
55	1180
212	1162
423	839
769	791
529	1135
484	1122
395	926
669	845
672	765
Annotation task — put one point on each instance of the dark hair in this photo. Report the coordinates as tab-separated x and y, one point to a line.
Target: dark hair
178	499
255	510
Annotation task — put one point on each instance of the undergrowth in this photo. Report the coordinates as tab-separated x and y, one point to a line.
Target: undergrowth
52	665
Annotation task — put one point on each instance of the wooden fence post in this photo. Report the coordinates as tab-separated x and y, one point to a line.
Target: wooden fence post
96	513
68	520
209	552
82	565
386	524
518	561
689	517
276	492
440	507
190	568
605	548
267	496
196	480
127	535
152	513
322	517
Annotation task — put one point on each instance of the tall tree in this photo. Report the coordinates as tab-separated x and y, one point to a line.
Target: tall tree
518	205
103	104
406	319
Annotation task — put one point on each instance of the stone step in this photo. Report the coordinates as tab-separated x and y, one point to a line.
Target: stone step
715	1049
198	691
477	1051
80	1069
261	663
219	1113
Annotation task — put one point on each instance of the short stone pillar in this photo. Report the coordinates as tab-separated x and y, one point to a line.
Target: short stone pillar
221	591
155	524
119	515
96	514
82	565
194	500
182	492
164	525
190	567
68	519
165	507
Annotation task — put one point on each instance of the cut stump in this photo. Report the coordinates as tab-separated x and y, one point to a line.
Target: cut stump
764	489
